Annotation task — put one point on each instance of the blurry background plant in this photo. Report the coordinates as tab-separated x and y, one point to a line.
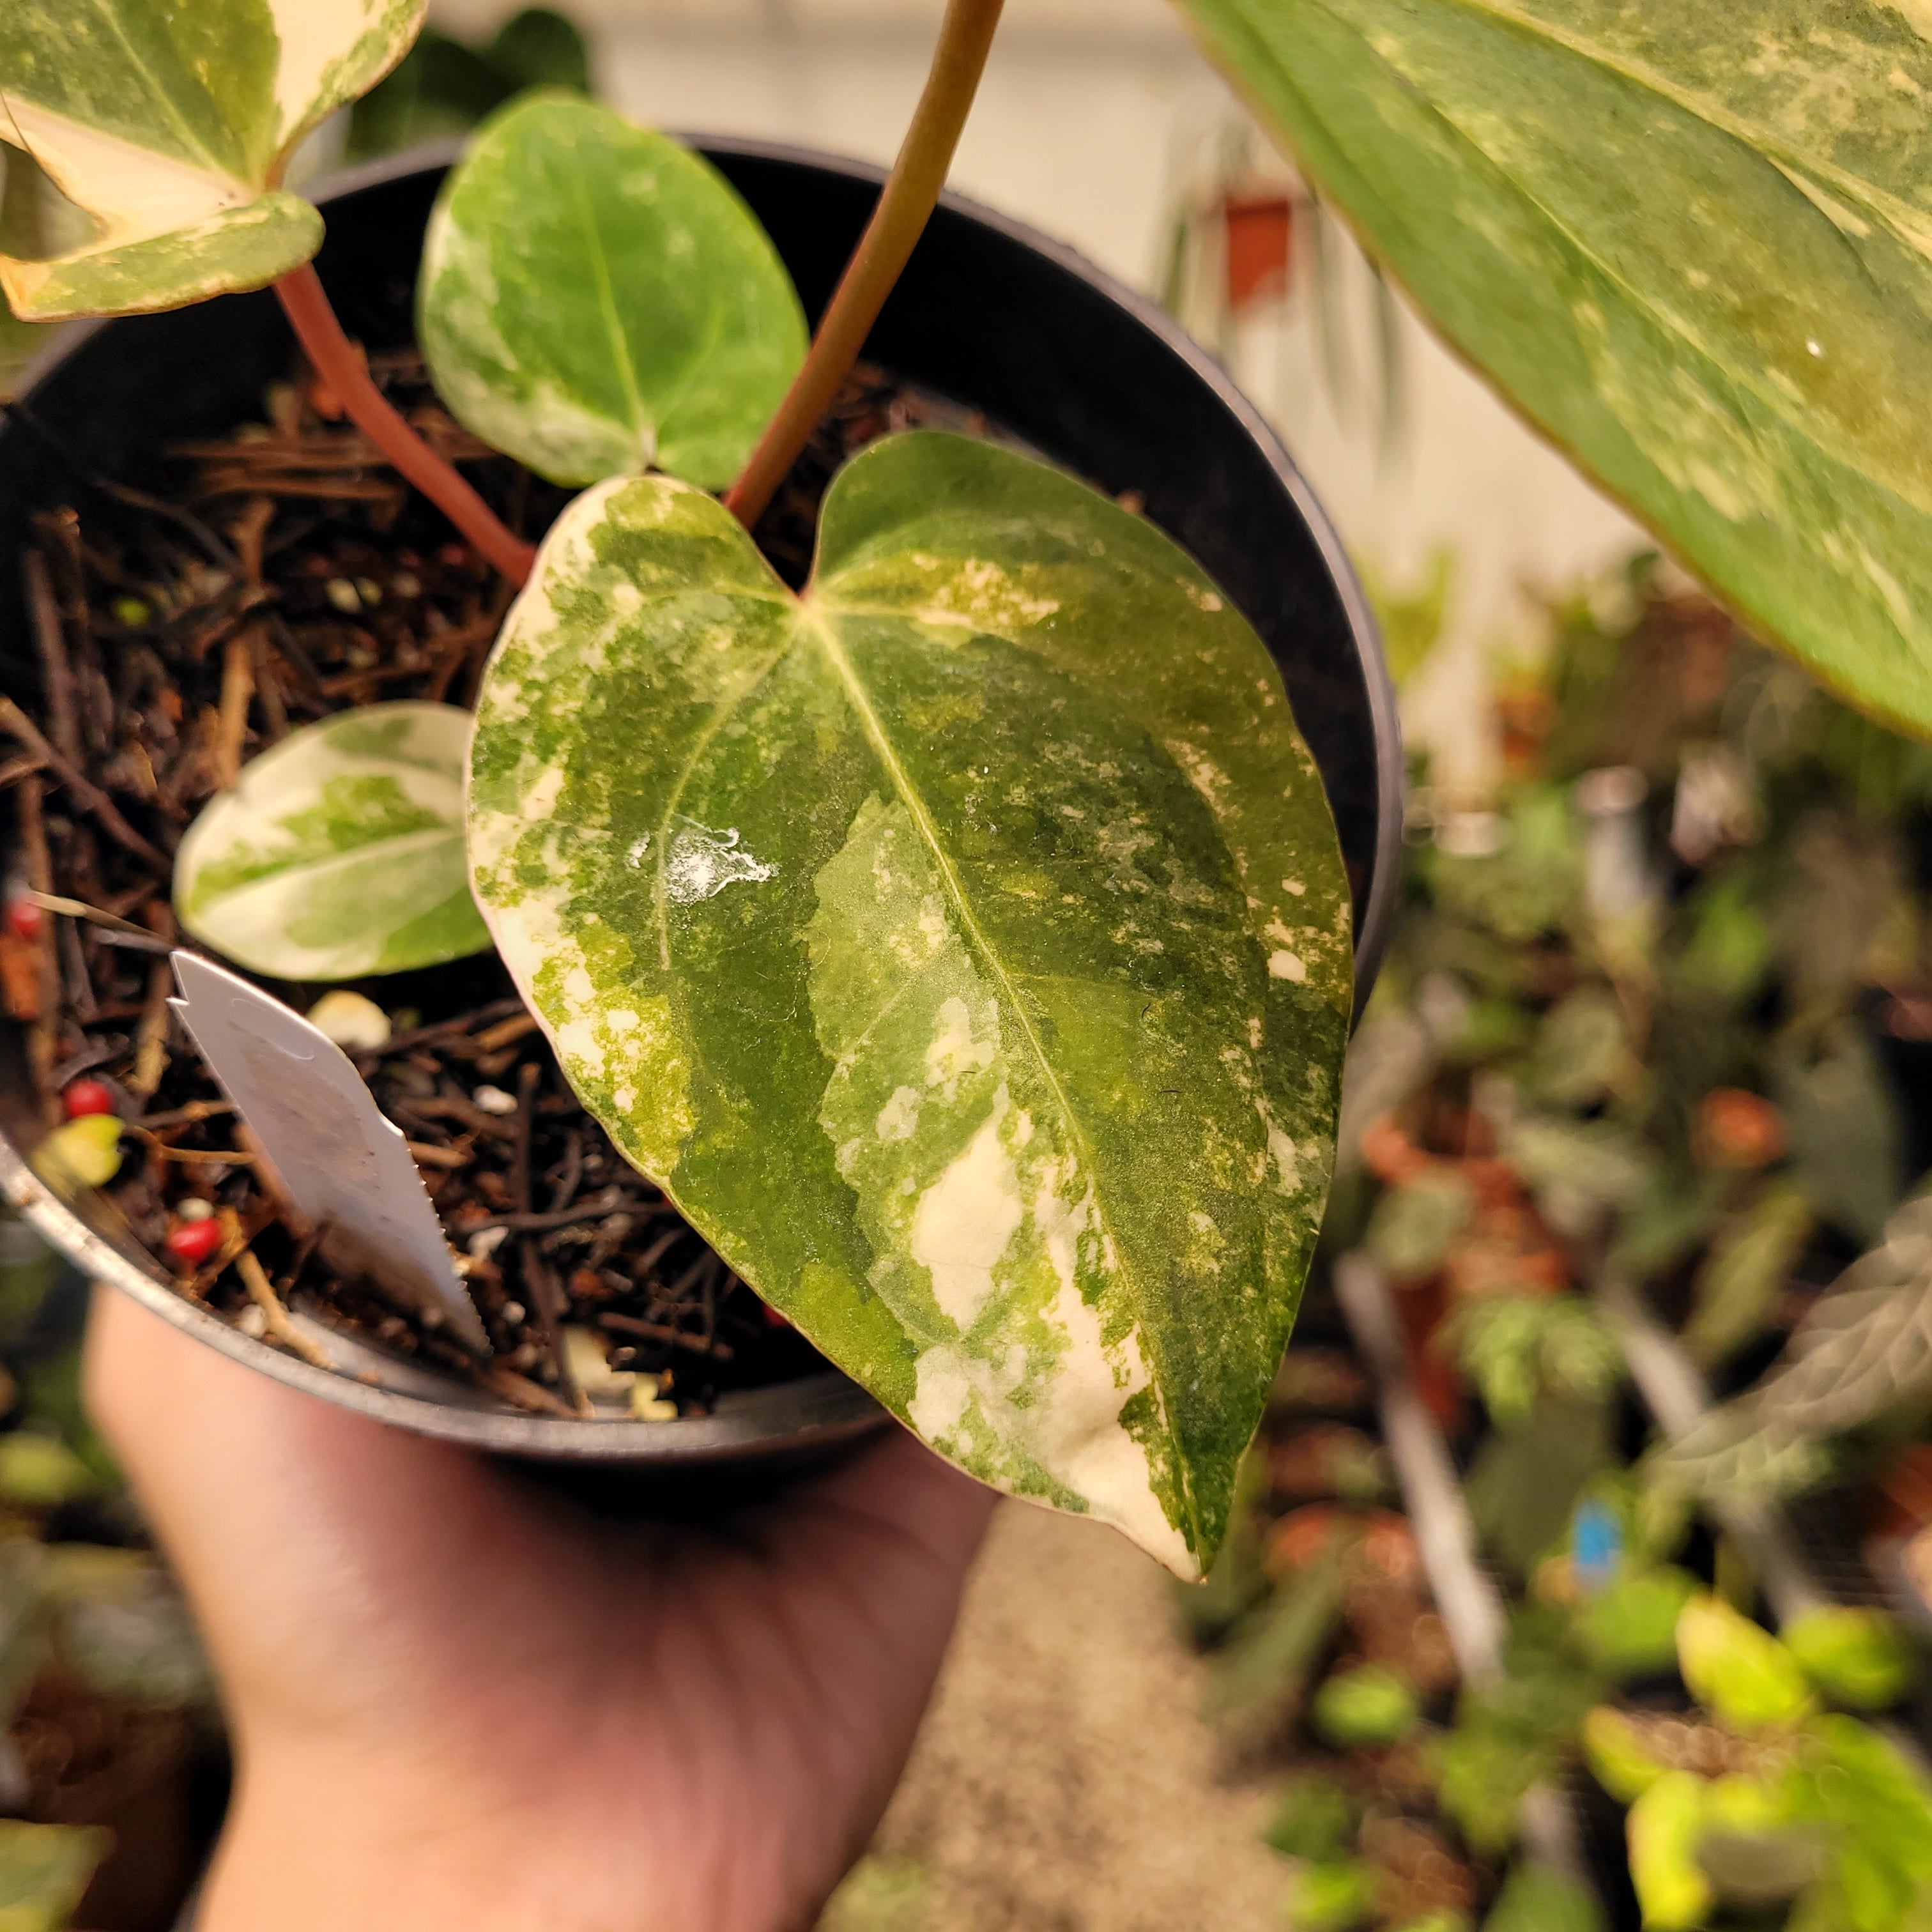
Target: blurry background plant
1655	1015
444	84
1255	267
112	1766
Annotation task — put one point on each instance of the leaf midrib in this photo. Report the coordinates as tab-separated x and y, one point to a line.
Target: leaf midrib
813	617
168	110
399	845
1898	214
643	426
1777	404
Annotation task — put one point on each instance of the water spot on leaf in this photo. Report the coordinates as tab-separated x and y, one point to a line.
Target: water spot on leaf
700	863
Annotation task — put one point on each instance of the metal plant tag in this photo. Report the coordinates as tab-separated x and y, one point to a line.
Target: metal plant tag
346	1167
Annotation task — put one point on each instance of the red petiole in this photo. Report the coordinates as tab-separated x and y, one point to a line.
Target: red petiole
335	359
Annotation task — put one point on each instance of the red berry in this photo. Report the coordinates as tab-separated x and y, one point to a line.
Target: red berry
191	1243
24	919
85	1096
773	1319
455	555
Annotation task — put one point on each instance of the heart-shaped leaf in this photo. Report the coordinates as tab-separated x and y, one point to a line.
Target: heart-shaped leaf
596	299
1690	240
965	946
340	851
171	124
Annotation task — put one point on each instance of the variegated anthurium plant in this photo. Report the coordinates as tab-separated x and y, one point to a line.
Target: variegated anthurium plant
963	944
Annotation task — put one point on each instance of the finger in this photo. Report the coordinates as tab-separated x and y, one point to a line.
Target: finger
284	1513
902	1485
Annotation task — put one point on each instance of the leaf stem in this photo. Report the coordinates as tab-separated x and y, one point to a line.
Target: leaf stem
905	204
335	360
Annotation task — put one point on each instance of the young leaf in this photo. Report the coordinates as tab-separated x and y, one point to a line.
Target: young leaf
1689	242
1738	1670
340	851
1368	1705
1858	1657
171	125
964	946
1739	1282
1620	1756
1537	1898
596	300
1662	1831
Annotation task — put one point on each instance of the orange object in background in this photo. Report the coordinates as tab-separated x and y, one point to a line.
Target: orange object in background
1737	1128
1260	232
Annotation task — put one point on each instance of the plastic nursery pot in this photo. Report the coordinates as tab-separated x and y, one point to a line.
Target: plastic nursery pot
989	315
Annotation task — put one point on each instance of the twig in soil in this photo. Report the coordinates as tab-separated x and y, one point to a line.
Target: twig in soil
571	1175
42	1042
74	969
240	1232
237	687
249	529
506	1033
452	1159
96	1054
307	678
524	1393
56	674
188	1157
268	685
546	1292
544	1224
528	1074
114	930
150	1051
155	506
193	1114
656	1331
442	1031
102	808
262	1292
334	360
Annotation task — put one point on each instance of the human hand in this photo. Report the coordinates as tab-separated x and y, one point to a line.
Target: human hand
459	1702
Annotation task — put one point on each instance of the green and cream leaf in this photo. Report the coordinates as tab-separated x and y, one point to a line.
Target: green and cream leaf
965	946
340	853
596	300
170	124
1691	239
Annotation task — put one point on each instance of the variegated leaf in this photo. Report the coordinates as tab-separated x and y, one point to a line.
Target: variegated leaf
1691	239
964	946
340	851
170	124
597	300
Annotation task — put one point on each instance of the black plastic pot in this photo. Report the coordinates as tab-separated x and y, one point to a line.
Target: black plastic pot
989	314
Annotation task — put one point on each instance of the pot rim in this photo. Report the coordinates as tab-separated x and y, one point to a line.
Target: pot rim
818	1411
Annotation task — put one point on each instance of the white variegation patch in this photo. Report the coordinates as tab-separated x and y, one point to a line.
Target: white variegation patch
172	132
341	850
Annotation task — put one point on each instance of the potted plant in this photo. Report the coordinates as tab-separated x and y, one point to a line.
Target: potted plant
713	855
964	945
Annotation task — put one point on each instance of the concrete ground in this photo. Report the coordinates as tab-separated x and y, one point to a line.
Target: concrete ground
1063	1781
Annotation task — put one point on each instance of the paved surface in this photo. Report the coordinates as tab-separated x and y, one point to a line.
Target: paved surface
1063	1781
